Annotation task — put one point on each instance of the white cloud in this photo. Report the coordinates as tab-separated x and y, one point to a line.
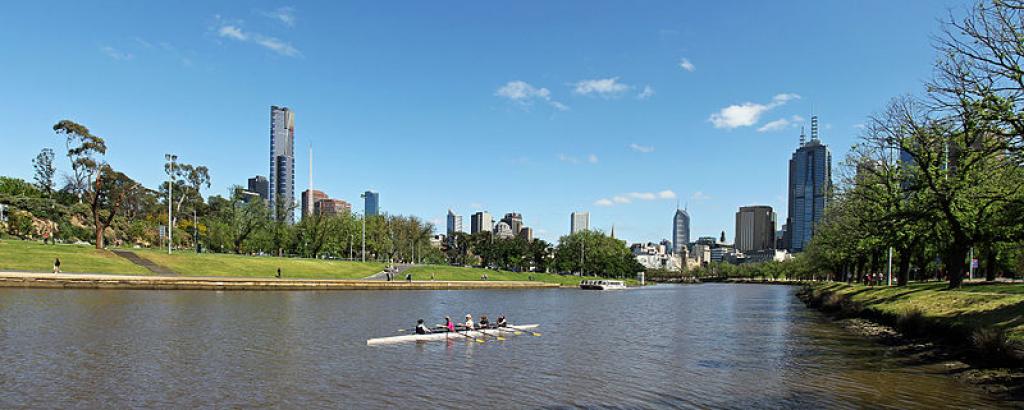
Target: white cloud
859	126
646	93
605	87
524	93
233	33
628	198
116	54
796	119
700	196
592	159
748	113
641	148
687	65
569	159
286	15
273	44
776	125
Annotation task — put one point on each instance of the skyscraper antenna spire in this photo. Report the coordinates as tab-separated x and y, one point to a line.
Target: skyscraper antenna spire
802	138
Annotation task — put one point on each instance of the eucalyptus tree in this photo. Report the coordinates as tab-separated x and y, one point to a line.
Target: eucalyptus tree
44	171
82	149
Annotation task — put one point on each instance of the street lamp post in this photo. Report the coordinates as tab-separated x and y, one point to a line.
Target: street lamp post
171	158
363	256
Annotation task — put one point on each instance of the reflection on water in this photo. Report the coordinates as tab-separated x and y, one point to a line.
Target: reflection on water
725	346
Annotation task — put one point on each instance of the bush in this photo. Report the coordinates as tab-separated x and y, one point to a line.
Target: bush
912	322
992	347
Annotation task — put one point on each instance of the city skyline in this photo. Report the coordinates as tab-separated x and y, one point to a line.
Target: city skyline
585	121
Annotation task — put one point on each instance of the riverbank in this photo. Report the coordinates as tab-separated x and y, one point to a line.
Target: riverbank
977	331
142	282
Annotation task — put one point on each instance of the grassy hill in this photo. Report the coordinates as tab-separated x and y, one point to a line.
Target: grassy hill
35	257
215	264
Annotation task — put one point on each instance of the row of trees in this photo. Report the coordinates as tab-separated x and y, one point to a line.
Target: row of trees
937	177
587	253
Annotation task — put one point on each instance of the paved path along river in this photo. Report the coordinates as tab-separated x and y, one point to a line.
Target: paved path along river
715	345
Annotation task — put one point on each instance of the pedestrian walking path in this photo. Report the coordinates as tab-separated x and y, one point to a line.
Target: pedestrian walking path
145	263
397	273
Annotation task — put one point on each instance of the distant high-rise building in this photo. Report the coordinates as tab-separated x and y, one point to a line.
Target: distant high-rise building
371	203
579	221
331	206
309	201
260	186
454	223
755	228
810	179
526	233
514	221
480	222
680	231
282	162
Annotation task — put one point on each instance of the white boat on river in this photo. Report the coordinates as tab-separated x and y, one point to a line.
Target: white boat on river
464	335
602	285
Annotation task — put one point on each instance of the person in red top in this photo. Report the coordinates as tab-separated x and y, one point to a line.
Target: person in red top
448	324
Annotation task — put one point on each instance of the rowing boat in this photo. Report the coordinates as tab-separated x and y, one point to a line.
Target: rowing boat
467	335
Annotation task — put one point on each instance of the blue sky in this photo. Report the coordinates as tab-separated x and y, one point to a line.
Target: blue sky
619	108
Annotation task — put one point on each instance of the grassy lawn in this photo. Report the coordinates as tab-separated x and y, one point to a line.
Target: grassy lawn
214	264
990	305
442	272
36	257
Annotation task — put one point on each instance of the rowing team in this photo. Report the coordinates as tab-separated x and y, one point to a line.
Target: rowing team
450	326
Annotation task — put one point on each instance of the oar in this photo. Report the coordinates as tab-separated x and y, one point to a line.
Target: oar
498	336
478	340
521	331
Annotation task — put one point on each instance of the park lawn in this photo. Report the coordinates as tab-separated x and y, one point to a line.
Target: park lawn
34	256
453	273
976	305
189	263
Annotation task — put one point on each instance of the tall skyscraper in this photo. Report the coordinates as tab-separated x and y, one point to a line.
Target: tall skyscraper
514	221
454	223
310	198
579	221
755	228
810	180
480	222
371	203
259	185
680	231
282	162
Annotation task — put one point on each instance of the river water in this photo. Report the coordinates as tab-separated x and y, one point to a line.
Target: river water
720	346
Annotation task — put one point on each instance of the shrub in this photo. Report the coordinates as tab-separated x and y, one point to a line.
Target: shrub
912	322
992	347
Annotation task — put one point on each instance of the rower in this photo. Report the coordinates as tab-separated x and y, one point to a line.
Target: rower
421	329
469	322
501	321
448	325
484	323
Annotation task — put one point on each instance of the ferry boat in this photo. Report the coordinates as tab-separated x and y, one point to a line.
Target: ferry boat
602	285
460	335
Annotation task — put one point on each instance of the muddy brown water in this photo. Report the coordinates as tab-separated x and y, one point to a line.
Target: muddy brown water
701	346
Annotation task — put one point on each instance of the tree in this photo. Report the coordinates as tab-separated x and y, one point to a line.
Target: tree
235	220
43	164
593	252
83	147
109	191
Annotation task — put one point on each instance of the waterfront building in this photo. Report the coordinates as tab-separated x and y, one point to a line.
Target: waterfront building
331	206
480	222
755	228
579	222
810	180
259	185
371	203
309	200
454	223
680	231
514	221
657	256
503	231
282	163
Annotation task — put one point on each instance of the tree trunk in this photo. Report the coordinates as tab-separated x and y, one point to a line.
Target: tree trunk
990	263
904	274
955	264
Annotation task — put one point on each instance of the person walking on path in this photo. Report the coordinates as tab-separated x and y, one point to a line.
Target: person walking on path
56	265
278	272
408	277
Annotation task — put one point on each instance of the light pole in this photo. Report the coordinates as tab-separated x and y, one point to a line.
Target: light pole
363	256
350	255
171	158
